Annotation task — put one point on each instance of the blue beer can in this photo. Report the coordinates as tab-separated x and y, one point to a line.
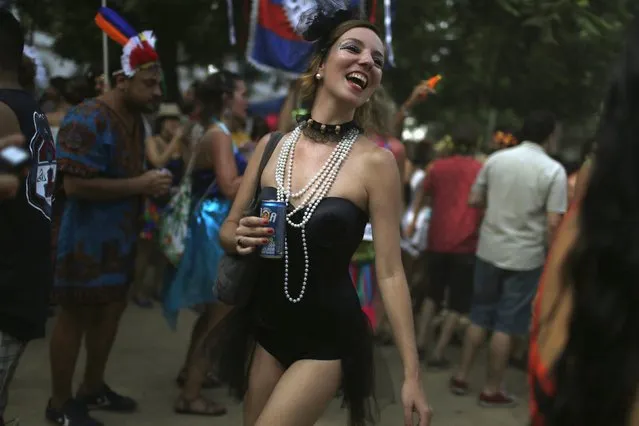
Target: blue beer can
275	212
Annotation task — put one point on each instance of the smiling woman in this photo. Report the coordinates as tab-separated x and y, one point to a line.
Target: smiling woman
360	83
305	334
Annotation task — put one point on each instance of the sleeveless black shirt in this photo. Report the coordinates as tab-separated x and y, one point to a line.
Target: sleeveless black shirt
25	227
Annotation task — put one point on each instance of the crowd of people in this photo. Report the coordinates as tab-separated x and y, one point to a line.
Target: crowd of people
127	197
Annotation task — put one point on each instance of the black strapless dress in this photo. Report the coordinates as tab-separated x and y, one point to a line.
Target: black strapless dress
327	324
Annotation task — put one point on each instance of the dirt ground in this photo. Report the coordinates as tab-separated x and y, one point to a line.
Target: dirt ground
147	356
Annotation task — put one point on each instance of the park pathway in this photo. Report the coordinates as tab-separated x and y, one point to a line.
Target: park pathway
148	354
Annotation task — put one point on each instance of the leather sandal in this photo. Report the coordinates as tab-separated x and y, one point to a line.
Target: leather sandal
199	406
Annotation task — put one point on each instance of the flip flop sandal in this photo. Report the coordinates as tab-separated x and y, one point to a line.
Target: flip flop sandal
199	406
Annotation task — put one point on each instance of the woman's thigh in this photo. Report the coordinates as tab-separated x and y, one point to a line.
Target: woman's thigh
302	394
264	375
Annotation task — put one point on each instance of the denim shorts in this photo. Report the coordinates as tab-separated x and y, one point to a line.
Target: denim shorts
502	298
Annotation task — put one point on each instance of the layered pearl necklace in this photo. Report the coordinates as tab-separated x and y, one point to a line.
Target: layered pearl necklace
311	195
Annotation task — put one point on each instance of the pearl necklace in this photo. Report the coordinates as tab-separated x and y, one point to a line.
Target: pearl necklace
313	192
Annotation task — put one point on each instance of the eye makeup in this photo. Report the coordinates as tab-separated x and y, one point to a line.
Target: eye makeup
355	46
351	44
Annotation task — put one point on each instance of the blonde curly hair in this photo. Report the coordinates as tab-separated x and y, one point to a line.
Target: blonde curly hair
382	113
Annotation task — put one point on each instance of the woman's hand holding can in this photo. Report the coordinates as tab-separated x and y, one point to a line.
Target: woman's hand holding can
252	233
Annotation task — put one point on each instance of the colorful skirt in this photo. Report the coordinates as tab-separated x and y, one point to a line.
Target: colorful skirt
191	283
150	220
362	271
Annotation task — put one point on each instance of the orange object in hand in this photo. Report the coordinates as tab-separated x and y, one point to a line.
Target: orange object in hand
433	81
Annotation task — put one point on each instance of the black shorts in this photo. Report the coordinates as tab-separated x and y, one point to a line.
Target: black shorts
452	271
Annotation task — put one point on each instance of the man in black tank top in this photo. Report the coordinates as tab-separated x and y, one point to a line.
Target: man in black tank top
10	180
25	225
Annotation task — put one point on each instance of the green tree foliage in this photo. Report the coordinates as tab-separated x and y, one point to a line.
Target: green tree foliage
504	57
188	31
508	56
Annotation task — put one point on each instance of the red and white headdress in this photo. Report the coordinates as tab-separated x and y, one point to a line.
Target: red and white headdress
138	48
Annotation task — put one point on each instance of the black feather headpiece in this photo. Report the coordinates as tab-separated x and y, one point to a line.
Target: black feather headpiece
316	24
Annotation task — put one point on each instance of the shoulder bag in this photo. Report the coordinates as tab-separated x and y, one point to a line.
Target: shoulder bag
174	223
237	274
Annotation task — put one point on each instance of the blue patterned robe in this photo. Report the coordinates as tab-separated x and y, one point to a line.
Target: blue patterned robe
94	241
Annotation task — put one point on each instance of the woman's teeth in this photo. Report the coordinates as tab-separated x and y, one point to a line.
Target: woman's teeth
358	78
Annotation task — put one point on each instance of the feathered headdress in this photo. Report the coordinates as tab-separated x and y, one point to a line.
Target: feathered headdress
138	48
316	24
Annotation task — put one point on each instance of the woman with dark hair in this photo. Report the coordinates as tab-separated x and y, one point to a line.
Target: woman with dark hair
64	93
189	100
217	172
584	355
163	150
307	334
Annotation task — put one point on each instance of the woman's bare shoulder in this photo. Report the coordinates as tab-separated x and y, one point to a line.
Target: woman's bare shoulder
372	155
215	131
375	166
264	140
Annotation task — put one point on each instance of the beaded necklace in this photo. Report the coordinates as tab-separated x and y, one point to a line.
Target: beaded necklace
311	195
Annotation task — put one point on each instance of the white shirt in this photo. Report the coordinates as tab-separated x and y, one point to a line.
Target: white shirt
418	242
520	185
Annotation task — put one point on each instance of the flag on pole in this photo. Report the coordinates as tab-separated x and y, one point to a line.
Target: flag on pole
274	46
389	9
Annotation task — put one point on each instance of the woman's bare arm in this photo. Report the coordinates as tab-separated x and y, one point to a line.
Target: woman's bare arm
220	145
419	200
582	180
419	94
157	157
409	169
384	207
244	197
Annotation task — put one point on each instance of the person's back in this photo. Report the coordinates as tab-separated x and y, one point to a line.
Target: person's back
452	242
25	228
453	222
522	185
525	194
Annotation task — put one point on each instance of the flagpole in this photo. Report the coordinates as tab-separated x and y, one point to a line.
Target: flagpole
105	55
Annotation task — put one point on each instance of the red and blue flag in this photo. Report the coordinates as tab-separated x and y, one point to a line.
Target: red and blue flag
274	45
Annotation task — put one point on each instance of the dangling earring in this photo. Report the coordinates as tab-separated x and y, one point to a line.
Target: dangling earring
226	113
318	76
